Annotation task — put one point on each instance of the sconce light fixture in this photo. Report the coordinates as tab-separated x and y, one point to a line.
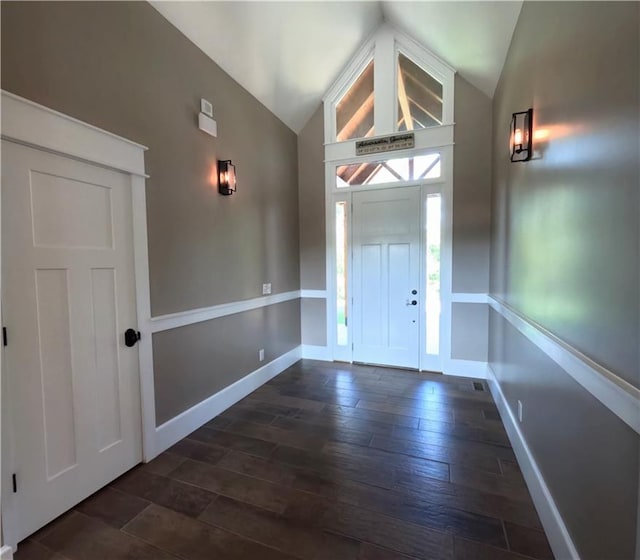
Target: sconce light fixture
521	136
226	177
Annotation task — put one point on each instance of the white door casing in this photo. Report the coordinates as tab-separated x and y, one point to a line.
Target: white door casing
386	272
442	187
68	295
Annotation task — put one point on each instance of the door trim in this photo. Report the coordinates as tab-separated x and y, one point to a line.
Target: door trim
27	122
34	125
443	186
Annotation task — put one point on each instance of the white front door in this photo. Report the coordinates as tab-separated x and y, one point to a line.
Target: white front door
68	295
386	276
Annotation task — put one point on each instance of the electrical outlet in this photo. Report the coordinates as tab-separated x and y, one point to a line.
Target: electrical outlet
520	411
266	289
261	354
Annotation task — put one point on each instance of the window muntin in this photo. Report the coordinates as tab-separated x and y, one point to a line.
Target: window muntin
395	170
420	97
354	111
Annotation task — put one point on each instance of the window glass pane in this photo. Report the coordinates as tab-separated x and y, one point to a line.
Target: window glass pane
427	167
354	112
419	97
389	171
432	301
341	272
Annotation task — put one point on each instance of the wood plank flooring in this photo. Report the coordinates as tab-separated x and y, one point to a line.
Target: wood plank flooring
325	462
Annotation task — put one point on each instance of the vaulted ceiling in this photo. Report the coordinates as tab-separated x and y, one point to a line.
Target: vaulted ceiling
287	54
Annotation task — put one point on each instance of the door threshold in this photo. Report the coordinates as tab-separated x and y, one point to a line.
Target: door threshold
385	366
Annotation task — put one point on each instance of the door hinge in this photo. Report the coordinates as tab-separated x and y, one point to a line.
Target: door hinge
4	336
346	321
14	480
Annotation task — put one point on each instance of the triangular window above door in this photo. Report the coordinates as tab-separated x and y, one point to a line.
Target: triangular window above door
393	84
354	111
419	96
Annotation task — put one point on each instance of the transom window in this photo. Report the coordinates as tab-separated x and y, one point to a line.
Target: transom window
393	170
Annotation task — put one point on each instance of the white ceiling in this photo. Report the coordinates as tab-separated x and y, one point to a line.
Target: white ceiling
287	54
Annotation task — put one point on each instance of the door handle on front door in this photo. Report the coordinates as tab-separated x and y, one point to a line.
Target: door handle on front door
412	302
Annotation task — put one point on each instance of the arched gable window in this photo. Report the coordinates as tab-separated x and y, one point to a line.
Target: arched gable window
392	85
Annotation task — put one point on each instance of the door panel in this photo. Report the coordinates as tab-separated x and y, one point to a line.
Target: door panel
68	294
371	295
105	332
386	268
52	310
399	283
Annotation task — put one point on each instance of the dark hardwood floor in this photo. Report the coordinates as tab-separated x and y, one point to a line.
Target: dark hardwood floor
325	462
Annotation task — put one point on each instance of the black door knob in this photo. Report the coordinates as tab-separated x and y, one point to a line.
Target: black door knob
131	336
414	292
414	302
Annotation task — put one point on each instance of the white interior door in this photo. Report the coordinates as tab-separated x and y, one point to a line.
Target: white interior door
68	294
386	276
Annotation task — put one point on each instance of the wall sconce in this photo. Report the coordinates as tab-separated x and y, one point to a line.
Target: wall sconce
521	136
226	177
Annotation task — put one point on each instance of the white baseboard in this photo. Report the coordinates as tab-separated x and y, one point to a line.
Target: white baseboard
311	352
554	527
182	425
466	368
6	553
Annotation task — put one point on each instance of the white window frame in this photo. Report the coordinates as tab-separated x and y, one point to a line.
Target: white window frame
433	66
384	47
379	158
340	88
442	185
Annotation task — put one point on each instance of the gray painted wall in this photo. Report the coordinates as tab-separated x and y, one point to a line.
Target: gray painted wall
311	202
566	241
122	67
314	321
203	358
565	254
469	328
471	220
587	456
313	245
471	189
